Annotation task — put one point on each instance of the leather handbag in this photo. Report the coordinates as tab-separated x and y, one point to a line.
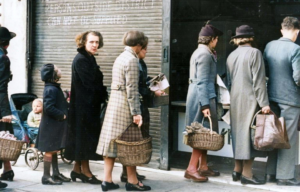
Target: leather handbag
269	132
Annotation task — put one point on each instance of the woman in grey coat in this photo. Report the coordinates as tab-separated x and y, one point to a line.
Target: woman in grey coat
248	93
201	97
123	109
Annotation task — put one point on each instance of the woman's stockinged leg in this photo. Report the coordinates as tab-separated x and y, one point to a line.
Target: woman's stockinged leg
108	168
77	167
247	168
193	165
85	168
238	166
203	160
47	164
7	166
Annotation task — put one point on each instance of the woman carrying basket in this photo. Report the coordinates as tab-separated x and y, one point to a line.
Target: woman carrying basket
5	112
123	109
247	85
201	97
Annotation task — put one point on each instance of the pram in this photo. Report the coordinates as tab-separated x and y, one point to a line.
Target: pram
21	106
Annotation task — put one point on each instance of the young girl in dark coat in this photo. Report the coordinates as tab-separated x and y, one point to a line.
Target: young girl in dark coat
53	126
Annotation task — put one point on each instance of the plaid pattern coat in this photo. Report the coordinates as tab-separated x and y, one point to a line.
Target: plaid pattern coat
124	102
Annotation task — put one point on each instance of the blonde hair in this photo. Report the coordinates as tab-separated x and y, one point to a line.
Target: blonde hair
38	100
242	41
82	38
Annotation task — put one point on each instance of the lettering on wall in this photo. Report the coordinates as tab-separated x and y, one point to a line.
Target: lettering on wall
74	13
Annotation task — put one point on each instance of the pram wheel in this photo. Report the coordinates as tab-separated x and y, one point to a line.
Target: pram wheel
32	158
62	152
24	147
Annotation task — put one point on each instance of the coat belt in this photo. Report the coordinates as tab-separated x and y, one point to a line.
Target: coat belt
118	87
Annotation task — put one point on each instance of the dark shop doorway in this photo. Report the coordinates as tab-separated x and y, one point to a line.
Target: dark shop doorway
187	18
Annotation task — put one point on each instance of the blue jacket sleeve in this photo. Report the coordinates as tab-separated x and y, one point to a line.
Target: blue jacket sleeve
296	66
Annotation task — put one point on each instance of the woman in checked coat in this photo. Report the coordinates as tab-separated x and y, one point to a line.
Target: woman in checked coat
123	109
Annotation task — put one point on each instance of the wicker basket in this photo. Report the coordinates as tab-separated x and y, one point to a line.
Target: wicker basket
206	140
134	153
10	149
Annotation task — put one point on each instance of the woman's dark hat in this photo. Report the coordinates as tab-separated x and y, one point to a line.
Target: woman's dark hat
47	72
243	31
5	34
209	30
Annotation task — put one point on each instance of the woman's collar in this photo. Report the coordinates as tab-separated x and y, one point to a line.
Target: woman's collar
128	48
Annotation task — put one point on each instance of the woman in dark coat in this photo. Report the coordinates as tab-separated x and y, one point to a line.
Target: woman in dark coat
5	112
53	127
87	94
201	98
248	91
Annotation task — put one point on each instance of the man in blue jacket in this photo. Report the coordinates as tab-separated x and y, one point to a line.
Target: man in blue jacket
282	60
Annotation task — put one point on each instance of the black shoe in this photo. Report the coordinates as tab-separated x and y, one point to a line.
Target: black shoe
2	185
289	182
61	177
123	177
271	178
136	187
109	186
50	181
75	176
91	180
253	180
8	175
236	176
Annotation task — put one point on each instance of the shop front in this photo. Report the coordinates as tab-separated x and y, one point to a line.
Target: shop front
172	27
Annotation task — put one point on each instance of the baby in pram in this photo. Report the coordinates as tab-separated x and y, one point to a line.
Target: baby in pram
34	119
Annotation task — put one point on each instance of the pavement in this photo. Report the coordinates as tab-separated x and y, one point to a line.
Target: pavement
28	180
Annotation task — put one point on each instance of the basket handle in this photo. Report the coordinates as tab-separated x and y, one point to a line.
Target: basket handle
252	126
210	123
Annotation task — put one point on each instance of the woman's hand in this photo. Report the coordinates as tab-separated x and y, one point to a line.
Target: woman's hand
206	112
7	119
138	119
266	109
159	93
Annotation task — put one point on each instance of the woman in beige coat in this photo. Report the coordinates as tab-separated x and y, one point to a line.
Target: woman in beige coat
123	109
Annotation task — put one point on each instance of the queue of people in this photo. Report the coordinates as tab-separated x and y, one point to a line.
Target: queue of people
76	127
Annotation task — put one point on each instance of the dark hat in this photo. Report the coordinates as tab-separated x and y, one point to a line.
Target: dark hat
243	31
5	34
47	72
209	30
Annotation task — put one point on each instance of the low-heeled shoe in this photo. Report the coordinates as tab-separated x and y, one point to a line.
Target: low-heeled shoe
109	186
253	180
271	178
2	185
50	181
61	177
136	187
91	180
75	176
236	176
8	176
123	177
209	172
195	176
288	182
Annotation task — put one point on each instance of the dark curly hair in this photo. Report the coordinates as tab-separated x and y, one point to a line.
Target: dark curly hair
82	38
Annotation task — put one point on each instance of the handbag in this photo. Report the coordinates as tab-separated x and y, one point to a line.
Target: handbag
269	132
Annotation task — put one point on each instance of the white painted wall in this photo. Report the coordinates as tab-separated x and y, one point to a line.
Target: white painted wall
13	17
